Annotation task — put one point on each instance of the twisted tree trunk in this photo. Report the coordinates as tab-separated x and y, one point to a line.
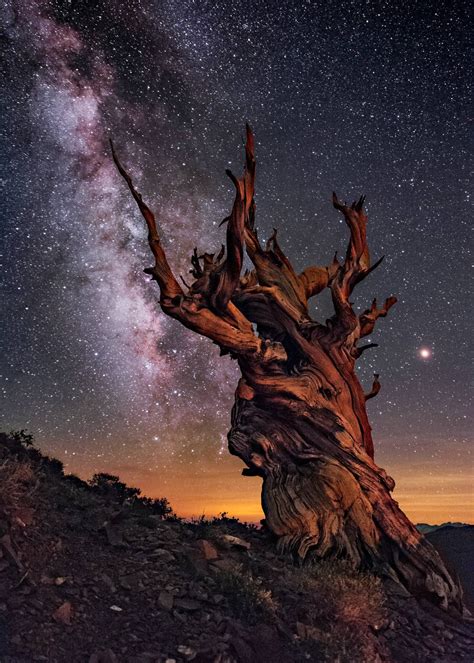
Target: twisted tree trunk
299	419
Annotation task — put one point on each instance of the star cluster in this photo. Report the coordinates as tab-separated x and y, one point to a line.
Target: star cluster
361	96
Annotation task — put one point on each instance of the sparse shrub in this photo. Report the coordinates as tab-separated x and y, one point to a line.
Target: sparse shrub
204	528
224	519
16	481
110	486
246	596
345	602
22	437
354	595
54	465
157	506
76	481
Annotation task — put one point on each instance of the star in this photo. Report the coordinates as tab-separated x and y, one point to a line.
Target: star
425	353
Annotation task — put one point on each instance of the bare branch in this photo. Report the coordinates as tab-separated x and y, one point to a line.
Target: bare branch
363	348
375	388
315	279
370	316
161	272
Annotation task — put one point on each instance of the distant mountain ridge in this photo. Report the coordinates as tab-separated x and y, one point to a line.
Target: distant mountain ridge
424	528
455	544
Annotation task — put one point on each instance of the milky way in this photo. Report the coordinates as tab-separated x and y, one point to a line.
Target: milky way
360	97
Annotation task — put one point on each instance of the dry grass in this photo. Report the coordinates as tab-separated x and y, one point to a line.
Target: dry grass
346	603
246	596
352	595
17	482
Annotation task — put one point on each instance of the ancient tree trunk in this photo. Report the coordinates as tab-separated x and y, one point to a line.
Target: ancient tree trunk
299	419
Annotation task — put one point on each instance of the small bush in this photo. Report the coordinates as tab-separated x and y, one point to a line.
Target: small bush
16	481
245	595
22	437
345	603
353	595
110	486
203	528
75	481
157	506
54	465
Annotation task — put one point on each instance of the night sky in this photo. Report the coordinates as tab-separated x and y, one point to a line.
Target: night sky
360	97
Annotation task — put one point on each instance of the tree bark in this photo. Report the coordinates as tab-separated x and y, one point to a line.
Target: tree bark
299	420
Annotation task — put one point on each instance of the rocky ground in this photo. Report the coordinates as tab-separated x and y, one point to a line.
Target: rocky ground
83	578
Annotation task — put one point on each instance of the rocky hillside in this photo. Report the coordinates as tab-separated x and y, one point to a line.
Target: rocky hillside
456	545
89	575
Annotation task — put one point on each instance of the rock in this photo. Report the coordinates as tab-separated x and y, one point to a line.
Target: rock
188	652
116	608
114	536
224	565
130	581
199	565
166	600
106	656
308	632
187	604
109	583
163	554
207	549
47	580
236	542
64	614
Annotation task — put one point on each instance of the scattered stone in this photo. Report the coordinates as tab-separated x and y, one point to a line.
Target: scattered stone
47	580
207	549
187	604
236	542
114	536
188	652
130	581
116	608
163	554
64	613
224	565
106	656
109	583
166	600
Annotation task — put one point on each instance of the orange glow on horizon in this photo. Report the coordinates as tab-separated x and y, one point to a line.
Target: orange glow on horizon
431	490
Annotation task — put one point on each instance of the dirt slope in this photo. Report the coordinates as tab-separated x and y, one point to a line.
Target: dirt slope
83	578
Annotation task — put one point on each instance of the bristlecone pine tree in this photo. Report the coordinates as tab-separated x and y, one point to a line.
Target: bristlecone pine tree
299	420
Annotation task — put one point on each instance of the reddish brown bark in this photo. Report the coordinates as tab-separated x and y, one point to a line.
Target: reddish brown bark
299	419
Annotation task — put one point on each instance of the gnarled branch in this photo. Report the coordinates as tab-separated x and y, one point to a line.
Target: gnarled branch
370	316
375	388
161	272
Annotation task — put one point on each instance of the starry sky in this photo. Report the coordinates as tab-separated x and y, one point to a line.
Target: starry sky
359	96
